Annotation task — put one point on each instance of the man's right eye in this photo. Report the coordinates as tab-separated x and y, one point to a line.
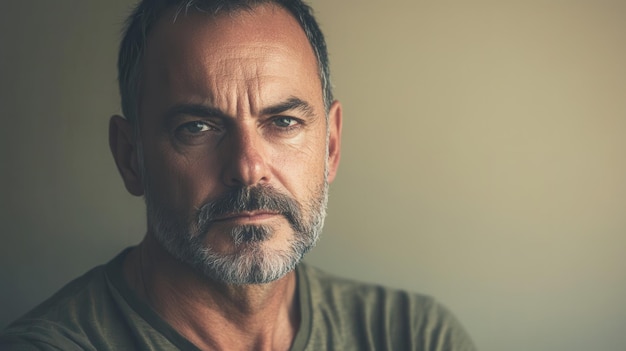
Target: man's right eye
194	127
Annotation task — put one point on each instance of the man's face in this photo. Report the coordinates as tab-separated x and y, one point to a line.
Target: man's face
234	142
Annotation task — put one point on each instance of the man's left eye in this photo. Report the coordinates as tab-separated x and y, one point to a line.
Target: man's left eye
285	122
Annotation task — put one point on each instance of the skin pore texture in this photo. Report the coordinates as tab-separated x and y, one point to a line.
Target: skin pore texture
226	102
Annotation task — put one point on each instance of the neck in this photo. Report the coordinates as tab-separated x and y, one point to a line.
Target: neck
210	314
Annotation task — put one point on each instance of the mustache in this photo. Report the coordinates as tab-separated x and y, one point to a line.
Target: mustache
257	198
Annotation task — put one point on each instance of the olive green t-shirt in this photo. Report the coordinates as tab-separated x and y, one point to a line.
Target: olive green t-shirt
98	311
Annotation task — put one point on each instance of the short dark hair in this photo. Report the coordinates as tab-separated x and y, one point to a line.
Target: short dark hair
147	12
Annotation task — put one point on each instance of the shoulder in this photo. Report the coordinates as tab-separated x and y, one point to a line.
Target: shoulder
75	318
62	316
358	295
382	317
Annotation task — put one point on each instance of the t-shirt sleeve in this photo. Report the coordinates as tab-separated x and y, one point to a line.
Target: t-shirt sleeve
37	337
23	344
445	331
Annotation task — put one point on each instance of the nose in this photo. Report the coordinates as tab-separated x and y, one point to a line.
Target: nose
245	159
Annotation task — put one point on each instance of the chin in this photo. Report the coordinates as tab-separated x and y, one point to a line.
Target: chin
248	255
251	263
257	255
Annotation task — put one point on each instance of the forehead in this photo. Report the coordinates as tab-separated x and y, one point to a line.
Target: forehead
200	52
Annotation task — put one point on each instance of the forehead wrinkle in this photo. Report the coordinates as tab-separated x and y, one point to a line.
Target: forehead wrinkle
237	87
254	89
238	80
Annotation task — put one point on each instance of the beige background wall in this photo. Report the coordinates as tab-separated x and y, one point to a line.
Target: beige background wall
484	158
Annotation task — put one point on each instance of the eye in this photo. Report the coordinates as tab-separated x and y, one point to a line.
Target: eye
285	122
194	127
196	132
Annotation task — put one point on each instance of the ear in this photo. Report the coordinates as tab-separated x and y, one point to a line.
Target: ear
124	150
334	139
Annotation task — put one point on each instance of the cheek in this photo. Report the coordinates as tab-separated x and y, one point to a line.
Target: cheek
301	169
178	181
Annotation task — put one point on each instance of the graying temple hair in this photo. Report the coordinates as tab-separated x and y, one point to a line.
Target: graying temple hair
147	12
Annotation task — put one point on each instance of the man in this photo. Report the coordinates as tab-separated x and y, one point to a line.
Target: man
232	135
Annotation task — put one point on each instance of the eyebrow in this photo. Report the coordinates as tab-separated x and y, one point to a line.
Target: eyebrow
293	103
198	110
206	111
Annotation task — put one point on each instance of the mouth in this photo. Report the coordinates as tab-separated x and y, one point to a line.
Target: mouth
247	216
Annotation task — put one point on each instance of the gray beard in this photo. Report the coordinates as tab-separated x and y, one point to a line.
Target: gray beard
251	262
